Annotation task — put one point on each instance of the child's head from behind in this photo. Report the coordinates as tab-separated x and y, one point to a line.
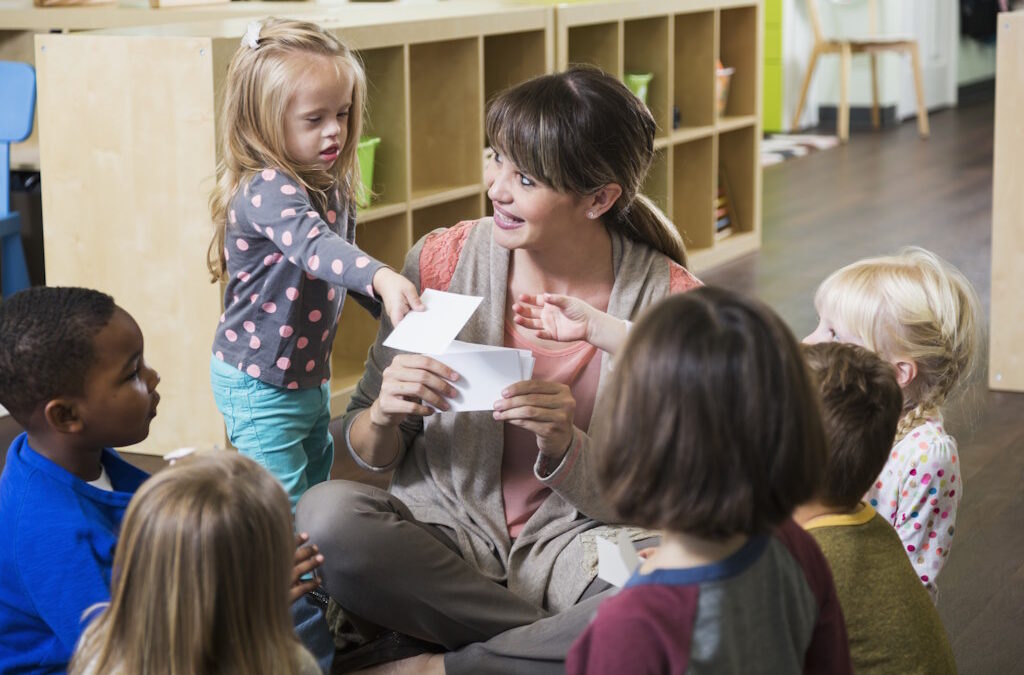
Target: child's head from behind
577	132
201	573
861	404
716	429
915	310
71	362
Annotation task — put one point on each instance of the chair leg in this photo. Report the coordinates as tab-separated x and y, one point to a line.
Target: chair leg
876	119
843	118
922	109
804	87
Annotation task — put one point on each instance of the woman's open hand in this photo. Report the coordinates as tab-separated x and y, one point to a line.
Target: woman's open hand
545	408
413	384
556	317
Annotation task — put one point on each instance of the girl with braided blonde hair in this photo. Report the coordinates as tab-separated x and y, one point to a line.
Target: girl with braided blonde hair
921	315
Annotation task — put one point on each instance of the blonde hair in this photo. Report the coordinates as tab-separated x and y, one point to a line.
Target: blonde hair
913	305
201	576
579	130
259	85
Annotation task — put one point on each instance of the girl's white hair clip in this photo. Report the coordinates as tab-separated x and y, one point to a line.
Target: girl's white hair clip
251	38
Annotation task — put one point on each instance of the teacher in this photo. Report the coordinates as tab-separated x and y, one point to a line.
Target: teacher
491	517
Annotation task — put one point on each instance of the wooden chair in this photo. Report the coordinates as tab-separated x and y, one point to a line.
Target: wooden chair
17	102
846	48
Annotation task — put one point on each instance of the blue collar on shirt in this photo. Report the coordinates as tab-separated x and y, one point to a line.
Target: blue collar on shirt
124	477
732	566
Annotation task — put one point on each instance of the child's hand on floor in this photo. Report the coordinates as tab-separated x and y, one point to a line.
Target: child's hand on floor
565	319
307	559
398	294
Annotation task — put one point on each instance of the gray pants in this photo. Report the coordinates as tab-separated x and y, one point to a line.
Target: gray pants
386	569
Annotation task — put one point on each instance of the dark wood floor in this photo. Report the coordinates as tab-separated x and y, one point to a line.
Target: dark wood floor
882	191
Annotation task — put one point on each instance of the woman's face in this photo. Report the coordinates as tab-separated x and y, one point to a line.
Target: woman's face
529	215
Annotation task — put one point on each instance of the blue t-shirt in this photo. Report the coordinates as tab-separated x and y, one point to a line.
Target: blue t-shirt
58	535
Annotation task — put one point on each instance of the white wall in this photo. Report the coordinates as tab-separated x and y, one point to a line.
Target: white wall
976	61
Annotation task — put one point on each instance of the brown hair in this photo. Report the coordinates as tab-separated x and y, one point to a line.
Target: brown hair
861	404
259	85
577	131
716	429
201	576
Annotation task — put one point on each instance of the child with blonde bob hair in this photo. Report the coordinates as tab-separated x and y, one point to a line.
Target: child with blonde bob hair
920	314
284	244
201	577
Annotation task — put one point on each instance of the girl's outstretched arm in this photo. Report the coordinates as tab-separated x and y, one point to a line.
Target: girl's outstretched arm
565	319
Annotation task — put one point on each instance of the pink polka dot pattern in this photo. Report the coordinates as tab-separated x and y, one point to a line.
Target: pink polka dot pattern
917	495
274	336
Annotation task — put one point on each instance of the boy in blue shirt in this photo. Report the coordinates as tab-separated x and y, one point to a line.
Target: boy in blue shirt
72	373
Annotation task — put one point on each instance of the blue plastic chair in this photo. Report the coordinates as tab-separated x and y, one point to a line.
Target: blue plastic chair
17	104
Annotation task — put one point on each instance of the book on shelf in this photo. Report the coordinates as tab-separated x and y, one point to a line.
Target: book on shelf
724	213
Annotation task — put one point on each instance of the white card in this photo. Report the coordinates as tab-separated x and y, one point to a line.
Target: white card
616	560
432	330
483	375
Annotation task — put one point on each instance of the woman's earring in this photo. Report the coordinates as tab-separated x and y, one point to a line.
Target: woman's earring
590	214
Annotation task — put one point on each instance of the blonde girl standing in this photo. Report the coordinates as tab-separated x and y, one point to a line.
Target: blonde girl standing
284	244
920	314
195	531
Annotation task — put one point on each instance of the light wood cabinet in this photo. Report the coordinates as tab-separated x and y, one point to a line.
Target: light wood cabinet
679	42
128	149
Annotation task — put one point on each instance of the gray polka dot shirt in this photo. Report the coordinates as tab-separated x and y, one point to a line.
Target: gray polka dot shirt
288	271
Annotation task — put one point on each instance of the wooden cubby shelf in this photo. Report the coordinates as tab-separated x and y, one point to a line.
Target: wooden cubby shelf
681	42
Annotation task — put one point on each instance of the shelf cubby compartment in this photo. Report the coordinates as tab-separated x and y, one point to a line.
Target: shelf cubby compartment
385	119
512	58
645	50
447	117
738	49
386	239
446	214
596	44
693	192
736	164
694	86
656	185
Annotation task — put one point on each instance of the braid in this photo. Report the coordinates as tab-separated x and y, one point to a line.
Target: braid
912	419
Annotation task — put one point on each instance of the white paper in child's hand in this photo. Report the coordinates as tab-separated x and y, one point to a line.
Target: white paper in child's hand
616	560
432	330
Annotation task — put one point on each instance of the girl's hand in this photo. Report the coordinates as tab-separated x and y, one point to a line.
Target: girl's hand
307	559
555	317
546	409
565	319
411	384
398	294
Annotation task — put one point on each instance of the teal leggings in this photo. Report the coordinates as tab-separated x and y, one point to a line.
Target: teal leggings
285	430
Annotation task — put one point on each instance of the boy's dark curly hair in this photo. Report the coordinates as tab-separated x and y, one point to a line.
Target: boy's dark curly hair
46	344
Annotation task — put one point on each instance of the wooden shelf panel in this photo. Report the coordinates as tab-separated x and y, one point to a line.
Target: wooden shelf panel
723	251
425	199
512	58
736	161
646	50
694	54
446	119
379	211
597	44
693	191
686	134
385	118
446	214
738	48
727	123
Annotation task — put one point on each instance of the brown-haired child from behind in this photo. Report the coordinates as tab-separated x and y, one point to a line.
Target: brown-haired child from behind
716	438
892	624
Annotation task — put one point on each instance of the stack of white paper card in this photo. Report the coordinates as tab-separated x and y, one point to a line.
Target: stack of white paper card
616	560
484	370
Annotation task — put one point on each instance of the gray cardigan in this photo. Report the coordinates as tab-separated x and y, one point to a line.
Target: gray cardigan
448	470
